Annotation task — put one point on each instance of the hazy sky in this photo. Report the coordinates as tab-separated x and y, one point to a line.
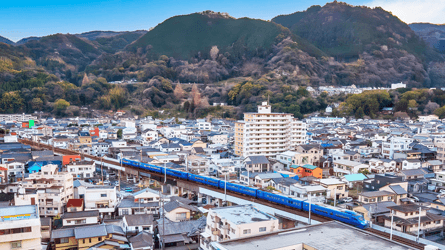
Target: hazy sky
26	18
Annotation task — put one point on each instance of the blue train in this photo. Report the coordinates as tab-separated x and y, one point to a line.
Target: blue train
342	215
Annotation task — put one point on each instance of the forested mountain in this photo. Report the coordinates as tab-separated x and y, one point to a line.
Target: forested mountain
6	40
239	61
94	35
433	34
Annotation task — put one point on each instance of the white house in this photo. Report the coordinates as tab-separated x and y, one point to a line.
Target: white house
81	169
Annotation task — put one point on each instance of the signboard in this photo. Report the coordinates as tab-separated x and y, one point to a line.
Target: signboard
31	123
16	217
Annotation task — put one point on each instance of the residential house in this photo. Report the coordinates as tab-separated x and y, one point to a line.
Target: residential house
89	237
81	218
337	188
74	205
177	211
81	169
180	235
307	170
256	163
406	219
97	197
283	184
142	241
344	167
136	223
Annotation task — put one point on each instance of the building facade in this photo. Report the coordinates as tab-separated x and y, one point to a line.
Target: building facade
266	133
20	228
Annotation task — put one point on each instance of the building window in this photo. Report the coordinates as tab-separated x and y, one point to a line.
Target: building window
100	238
103	195
16	244
89	240
262	229
246	231
64	240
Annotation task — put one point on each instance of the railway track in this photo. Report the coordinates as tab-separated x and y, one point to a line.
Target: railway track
399	239
298	212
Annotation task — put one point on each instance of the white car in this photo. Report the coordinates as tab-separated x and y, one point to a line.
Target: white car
346	199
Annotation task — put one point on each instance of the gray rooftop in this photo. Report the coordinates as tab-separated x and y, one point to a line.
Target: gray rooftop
243	214
81	214
326	236
139	219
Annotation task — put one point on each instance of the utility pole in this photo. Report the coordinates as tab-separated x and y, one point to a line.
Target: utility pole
119	175
310	203
335	196
225	189
161	210
392	220
101	169
418	227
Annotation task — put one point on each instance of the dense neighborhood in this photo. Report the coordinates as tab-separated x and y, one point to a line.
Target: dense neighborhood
388	172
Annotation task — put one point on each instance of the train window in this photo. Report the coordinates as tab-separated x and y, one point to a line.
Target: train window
332	213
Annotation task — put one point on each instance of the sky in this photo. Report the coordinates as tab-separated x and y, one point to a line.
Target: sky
19	19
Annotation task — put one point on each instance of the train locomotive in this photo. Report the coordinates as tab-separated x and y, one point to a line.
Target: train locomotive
342	215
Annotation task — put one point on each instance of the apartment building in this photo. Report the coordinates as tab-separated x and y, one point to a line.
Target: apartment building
54	189
101	198
81	169
233	222
395	144
16	117
266	133
20	227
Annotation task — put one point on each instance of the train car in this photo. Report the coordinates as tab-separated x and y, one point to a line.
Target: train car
203	180
238	188
272	197
128	162
342	215
177	173
154	168
295	203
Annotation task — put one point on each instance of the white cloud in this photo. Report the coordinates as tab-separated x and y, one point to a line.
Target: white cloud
413	11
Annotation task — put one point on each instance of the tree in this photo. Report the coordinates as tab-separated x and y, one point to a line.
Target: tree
412	104
359	113
85	80
36	103
61	104
364	171
430	107
118	97
440	112
179	92
119	134
196	96
214	52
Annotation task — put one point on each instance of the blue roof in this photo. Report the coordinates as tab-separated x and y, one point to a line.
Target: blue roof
325	145
355	177
309	166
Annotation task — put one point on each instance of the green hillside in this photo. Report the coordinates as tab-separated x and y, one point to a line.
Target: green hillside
183	37
345	31
118	42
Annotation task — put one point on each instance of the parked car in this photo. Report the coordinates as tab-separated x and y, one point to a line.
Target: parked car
346	199
106	182
128	190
